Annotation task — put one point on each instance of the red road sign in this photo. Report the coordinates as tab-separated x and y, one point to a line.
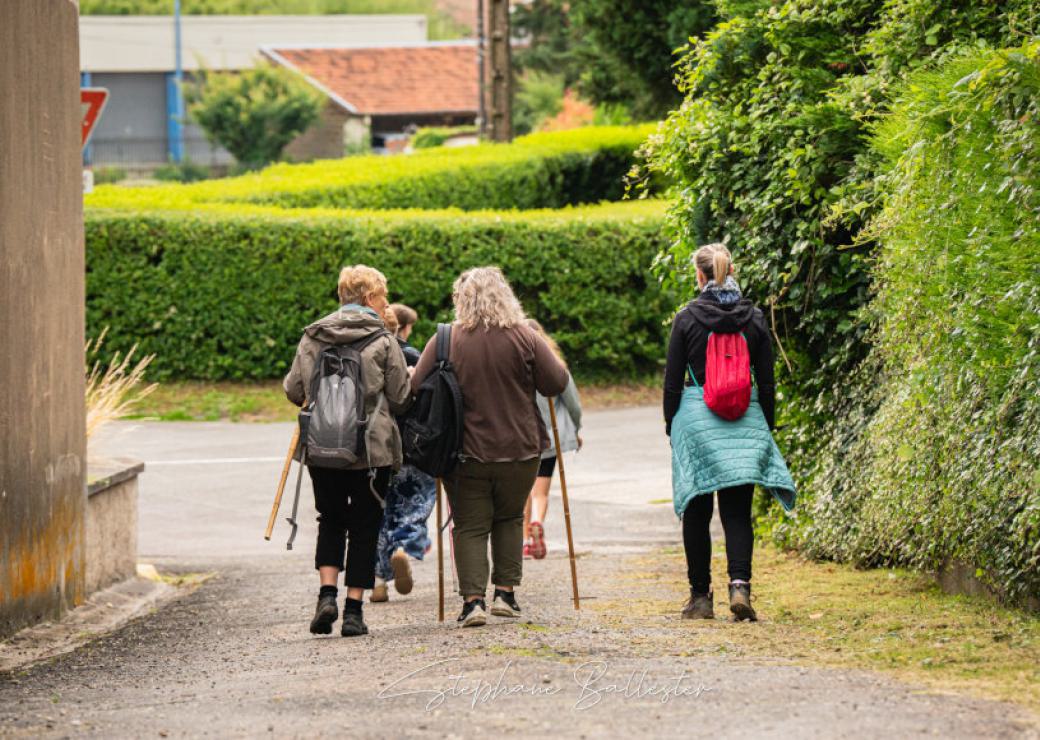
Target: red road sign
92	101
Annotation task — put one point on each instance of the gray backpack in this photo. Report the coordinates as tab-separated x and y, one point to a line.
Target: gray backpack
333	427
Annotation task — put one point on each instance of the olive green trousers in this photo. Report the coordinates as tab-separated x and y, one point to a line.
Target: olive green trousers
487	500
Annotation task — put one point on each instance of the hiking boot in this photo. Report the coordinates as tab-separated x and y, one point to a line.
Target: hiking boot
353	624
402	571
380	592
505	604
474	614
324	615
538	548
740	602
699	606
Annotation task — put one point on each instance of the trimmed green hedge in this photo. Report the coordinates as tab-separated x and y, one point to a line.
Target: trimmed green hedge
547	170
934	456
224	292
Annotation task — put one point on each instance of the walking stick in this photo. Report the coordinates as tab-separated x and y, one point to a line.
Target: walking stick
281	482
440	557
566	505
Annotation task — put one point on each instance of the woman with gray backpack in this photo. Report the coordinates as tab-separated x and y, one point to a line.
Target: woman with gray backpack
350	378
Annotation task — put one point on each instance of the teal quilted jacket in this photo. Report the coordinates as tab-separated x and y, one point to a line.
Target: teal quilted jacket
710	453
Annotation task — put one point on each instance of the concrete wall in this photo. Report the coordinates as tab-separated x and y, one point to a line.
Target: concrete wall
111	524
42	446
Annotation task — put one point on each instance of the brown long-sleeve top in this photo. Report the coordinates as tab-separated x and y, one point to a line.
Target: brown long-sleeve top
499	371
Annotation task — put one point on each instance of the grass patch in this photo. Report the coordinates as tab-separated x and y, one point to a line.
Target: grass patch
828	614
264	401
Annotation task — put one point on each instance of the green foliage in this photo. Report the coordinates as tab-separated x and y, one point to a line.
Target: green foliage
539	96
225	294
618	52
769	153
440	25
433	136
186	171
538	171
254	114
108	175
934	456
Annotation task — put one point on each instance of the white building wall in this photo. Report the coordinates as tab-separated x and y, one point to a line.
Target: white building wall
145	43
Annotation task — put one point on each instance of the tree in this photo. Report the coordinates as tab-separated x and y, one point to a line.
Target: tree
253	114
615	51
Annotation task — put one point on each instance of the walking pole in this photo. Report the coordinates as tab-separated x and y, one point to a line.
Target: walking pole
566	505
281	483
440	557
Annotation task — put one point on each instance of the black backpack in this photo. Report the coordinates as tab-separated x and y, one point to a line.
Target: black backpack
432	429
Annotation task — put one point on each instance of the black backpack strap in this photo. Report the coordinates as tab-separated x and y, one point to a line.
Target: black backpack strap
443	342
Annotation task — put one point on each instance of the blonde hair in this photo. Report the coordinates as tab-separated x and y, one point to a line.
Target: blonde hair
482	297
405	315
390	320
714	260
358	281
534	324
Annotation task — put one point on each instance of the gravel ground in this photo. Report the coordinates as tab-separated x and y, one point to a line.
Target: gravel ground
233	658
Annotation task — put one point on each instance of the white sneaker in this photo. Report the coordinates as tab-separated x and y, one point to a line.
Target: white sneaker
505	605
473	614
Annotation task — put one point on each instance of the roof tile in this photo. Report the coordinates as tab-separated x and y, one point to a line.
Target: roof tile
394	80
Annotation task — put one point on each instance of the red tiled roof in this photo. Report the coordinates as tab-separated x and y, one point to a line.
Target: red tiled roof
391	80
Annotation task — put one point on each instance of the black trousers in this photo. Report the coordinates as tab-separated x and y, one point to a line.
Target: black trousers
735	512
345	506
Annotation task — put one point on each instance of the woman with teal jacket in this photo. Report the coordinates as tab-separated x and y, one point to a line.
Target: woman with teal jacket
711	454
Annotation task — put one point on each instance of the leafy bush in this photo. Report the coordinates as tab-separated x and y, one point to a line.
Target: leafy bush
224	292
537	171
935	454
186	171
434	136
108	175
254	113
769	151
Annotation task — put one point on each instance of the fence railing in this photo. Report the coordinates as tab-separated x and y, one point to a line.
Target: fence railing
143	152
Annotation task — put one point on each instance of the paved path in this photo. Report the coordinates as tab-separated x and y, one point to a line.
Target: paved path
233	658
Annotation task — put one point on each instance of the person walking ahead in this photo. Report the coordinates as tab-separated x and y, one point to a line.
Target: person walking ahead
711	453
350	499
501	363
568	414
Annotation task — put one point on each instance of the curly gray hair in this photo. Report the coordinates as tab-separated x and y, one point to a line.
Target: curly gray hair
482	297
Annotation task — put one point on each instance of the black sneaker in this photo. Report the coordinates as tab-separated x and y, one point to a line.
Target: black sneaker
353	624
740	602
474	613
324	615
504	604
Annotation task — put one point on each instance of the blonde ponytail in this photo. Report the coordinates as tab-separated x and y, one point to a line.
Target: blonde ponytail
714	261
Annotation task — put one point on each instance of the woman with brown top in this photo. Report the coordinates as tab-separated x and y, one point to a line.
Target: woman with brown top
500	362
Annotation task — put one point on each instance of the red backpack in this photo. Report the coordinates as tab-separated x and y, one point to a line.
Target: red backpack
727	375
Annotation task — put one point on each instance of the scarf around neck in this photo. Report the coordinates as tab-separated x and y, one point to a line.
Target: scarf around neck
727	294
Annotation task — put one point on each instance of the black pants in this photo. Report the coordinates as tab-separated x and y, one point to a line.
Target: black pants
735	511
345	505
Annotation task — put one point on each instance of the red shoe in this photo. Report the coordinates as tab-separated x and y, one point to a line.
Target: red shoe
537	540
527	551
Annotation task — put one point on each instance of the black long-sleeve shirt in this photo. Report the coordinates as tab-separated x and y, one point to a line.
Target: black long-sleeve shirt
689	345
